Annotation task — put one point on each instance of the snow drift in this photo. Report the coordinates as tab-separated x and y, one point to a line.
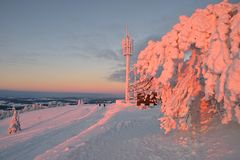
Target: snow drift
210	81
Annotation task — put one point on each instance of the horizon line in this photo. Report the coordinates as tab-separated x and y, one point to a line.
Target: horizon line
70	92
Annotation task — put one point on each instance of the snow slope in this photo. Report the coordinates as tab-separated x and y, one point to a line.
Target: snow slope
116	132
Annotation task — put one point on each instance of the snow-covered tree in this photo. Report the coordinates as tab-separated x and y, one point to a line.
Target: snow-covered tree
14	123
210	79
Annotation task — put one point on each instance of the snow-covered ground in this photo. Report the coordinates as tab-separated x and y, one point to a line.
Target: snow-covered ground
116	132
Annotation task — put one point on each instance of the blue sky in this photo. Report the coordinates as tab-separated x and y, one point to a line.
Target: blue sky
75	45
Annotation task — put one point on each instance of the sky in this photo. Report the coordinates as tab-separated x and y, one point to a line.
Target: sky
75	45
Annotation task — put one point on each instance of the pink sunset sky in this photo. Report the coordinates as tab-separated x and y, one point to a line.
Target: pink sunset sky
63	46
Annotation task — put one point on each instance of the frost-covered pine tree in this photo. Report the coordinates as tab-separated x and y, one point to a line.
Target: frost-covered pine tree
14	123
209	81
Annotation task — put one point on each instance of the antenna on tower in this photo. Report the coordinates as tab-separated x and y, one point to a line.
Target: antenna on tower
127	44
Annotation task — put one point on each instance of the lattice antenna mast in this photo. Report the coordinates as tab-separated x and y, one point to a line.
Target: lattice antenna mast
127	44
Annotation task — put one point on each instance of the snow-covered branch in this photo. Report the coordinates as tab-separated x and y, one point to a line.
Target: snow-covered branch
213	71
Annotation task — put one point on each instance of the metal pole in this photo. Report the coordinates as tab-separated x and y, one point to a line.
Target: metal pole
127	78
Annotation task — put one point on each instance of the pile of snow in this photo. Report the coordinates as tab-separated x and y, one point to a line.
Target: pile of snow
212	74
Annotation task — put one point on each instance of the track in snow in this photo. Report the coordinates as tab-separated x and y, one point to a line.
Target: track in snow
38	138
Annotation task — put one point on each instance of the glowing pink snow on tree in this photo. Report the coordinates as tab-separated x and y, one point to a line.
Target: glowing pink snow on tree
210	77
14	123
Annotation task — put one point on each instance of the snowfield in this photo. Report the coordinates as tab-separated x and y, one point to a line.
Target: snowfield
116	132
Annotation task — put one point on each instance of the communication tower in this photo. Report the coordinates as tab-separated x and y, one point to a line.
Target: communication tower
127	49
